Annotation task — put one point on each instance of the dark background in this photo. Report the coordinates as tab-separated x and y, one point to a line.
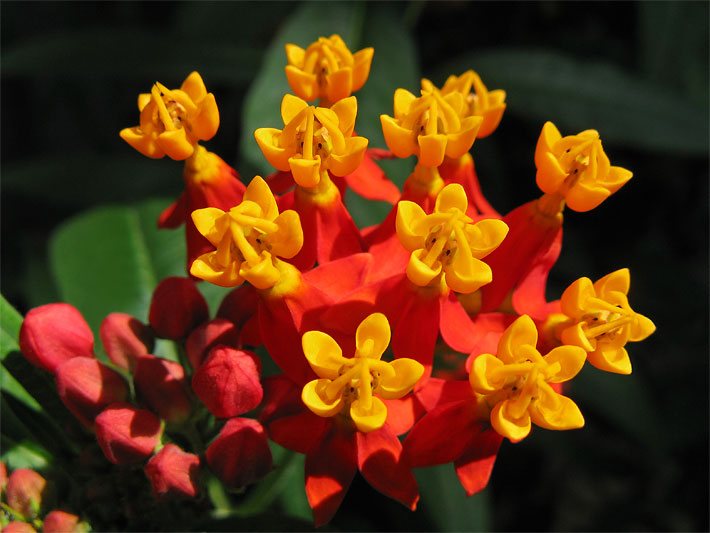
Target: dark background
637	72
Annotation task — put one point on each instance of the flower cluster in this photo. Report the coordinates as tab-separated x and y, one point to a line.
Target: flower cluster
353	318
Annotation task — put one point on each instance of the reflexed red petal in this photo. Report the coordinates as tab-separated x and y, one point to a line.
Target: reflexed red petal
239	305
463	171
240	454
208	335
488	329
301	432
474	467
282	397
228	382
435	392
60	522
442	434
330	469
280	181
125	338
403	413
342	276
370	181
175	214
86	386
162	386
379	457
54	333
177	308
417	328
390	258
456	325
173	473
127	435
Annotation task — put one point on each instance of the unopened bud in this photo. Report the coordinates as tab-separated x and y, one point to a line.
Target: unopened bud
240	454
24	492
127	435
207	336
61	522
177	308
173	473
125	338
161	384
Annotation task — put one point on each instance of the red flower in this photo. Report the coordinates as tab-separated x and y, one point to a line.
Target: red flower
173	473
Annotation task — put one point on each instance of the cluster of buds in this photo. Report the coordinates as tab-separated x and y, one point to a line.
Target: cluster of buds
351	317
25	495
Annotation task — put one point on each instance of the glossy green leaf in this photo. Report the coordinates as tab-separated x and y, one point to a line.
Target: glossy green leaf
576	95
23	454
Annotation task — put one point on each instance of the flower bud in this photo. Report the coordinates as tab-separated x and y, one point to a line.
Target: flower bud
3	477
173	473
177	308
240	454
161	384
18	527
24	492
207	336
86	386
61	522
228	382
125	338
126	434
54	333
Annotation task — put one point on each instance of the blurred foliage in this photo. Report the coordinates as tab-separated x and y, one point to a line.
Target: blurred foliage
637	72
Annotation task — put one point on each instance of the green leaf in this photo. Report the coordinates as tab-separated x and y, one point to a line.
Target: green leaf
23	454
446	503
10	322
544	85
110	259
263	101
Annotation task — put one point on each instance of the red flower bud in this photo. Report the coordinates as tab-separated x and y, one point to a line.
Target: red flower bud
86	386
18	527
24	492
228	382
54	333
207	336
60	522
240	454
162	385
125	338
177	308
127	434
173	473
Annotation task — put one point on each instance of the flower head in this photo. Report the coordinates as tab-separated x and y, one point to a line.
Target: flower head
516	383
353	386
313	140
576	168
489	105
431	126
600	320
327	69
448	242
248	239
173	121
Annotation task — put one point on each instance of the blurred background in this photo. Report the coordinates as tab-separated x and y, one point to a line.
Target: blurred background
637	72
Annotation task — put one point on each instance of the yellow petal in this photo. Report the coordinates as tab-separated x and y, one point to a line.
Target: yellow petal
519	333
194	87
315	398
614	360
373	336
406	374
361	67
210	223
263	275
574	336
304	84
419	272
268	141
574	300
371	419
323	354
145	144
432	149
450	197
347	163
402	102
291	106
175	144
206	123
408	225
295	55
549	136
554	411
459	142
206	267
339	84
346	111
485	236
287	241
143	100
641	328
482	377
583	197
515	429
466	274
259	193
306	172
571	360
550	175
619	280
399	140
616	178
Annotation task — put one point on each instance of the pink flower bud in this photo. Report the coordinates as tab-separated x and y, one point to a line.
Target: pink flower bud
24	491
228	382
126	434
54	333
177	308
18	527
162	385
240	454
207	336
125	338
60	522
86	386
173	473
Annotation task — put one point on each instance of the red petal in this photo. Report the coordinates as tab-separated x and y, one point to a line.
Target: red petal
175	214
125	338
380	153
370	181
239	305
390	257
207	336
414	334
488	329
162	386
330	469
177	308
127	435
379	457
442	434
228	382
403	413
301	432
282	397
462	171
456	326
280	182
342	276
54	333
435	392
474	467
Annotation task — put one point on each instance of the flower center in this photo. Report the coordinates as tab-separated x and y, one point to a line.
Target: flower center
446	237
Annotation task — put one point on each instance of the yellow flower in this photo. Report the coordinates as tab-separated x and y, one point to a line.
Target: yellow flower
173	121
327	69
489	105
516	383
447	242
314	140
353	386
431	126
248	239
600	320
576	168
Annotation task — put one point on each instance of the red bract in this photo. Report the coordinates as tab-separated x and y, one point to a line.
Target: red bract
60	522
463	171
207	336
162	386
127	435
125	338
24	491
228	382
177	308
54	333
240	454
173	473
369	180
86	386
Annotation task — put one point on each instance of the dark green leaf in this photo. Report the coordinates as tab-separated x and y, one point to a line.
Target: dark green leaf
10	322
23	454
576	95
